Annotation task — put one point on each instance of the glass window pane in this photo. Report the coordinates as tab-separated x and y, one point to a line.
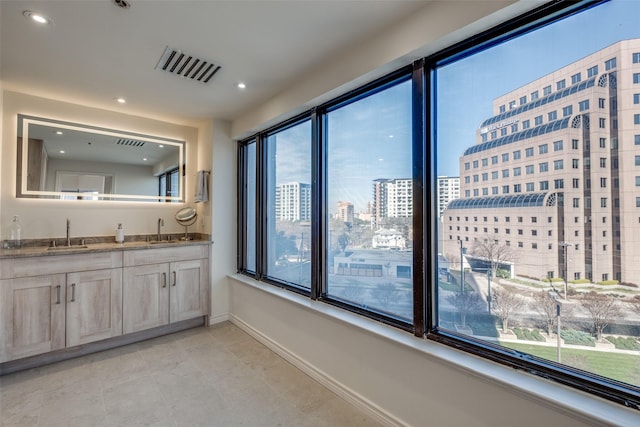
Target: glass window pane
510	291
370	202
289	204
250	201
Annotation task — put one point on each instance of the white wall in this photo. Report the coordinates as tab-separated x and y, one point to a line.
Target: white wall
47	218
404	380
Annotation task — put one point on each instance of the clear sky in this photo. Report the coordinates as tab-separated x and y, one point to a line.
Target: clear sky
371	138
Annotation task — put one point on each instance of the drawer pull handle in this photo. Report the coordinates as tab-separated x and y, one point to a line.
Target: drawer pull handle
164	280
73	292
174	278
58	294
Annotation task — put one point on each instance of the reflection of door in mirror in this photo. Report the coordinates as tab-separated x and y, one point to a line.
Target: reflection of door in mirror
86	184
36	165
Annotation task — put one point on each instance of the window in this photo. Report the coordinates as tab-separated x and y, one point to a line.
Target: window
485	176
575	163
603	162
575	78
530	186
523	100
603	142
635	57
558	164
603	202
494	175
636	78
601	103
368	267
526	124
576	183
603	182
610	64
576	202
602	124
485	162
534	95
543	167
552	115
516	155
583	105
636	119
517	188
567	111
636	98
505	173
467	179
517	171
476	178
543	149
561	84
494	160
505	157
636	139
575	145
637	181
289	204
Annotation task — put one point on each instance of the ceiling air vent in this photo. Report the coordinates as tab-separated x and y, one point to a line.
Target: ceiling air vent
130	142
184	65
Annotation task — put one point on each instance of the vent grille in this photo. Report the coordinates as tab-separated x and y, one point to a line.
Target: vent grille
130	142
188	66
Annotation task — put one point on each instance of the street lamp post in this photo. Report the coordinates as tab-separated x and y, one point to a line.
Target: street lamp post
489	273
461	267
558	332
564	246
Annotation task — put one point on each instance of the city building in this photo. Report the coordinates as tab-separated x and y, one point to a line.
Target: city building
448	189
555	172
388	239
392	198
293	202
345	211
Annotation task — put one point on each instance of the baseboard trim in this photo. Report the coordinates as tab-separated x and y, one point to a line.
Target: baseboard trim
356	399
220	318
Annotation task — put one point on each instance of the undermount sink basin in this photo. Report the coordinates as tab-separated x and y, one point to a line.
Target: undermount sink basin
155	242
68	248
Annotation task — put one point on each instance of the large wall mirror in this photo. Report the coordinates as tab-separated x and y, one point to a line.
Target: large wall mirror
70	161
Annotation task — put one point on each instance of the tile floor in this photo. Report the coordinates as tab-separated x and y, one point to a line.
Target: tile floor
216	376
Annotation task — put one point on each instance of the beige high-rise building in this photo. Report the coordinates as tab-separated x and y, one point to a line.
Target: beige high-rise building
345	211
556	170
392	198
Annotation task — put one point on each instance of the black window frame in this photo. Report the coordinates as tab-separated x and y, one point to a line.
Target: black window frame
425	216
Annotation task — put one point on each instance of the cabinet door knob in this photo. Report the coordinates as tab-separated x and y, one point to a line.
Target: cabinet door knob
73	292
174	278
58	294
164	280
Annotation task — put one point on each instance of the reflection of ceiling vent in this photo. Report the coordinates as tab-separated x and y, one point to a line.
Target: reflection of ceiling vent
184	65
130	142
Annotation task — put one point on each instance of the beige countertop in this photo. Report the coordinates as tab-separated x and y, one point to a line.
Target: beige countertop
36	251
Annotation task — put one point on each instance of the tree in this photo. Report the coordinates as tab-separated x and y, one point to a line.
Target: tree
546	305
493	251
635	303
602	309
504	302
465	303
385	293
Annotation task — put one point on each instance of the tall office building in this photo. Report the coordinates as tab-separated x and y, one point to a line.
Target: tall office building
448	189
345	211
555	173
293	202
392	198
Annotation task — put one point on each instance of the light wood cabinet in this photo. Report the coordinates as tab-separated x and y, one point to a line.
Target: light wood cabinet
158	293
32	316
94	306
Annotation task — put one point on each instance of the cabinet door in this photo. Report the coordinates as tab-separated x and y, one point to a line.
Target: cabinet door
189	290
146	297
94	305
32	316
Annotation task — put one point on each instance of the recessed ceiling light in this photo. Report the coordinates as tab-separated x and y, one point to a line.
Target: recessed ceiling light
144	158
241	85
37	17
121	100
59	132
161	146
61	151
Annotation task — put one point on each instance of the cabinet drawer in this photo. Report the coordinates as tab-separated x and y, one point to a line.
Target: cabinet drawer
162	255
53	264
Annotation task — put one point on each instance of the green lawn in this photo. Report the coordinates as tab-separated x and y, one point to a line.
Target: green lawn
622	367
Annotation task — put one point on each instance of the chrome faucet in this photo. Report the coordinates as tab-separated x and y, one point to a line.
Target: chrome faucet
160	223
68	232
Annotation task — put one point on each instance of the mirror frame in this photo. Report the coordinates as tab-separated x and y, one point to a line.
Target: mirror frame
22	161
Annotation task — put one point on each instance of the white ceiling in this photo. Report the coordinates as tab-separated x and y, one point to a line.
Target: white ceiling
95	51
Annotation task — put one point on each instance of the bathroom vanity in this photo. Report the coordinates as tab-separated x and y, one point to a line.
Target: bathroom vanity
57	304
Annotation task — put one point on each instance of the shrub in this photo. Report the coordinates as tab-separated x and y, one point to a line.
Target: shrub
528	334
502	273
608	282
624	343
571	336
578	281
554	279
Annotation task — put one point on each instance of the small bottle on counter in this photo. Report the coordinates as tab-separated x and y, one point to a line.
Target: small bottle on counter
16	233
119	234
